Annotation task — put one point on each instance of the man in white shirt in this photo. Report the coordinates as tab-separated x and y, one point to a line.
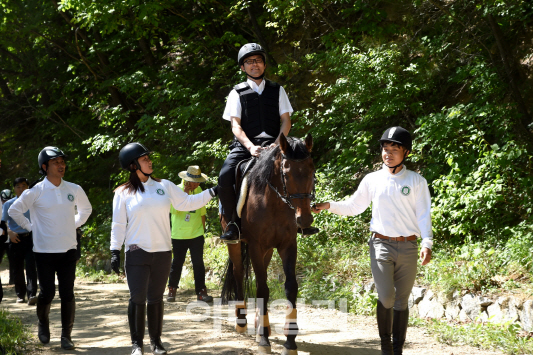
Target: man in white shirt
259	110
57	208
401	207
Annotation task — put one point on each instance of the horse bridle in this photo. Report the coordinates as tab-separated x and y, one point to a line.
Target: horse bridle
286	197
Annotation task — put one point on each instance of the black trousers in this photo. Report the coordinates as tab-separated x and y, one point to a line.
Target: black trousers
147	275
226	179
48	266
22	253
179	248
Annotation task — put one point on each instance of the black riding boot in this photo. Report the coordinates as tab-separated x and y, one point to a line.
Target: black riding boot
155	327
399	330
68	310
232	232
136	319
43	328
384	316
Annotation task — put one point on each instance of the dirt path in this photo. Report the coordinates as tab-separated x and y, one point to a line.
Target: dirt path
101	327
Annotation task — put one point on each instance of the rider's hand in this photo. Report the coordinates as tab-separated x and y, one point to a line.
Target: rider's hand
14	237
255	150
317	207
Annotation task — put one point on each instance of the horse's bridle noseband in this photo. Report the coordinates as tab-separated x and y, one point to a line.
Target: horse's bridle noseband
286	197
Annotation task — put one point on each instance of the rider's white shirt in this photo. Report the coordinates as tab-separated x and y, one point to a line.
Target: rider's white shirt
143	218
401	204
234	109
56	212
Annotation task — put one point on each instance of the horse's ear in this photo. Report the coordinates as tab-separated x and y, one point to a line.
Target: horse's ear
309	142
283	144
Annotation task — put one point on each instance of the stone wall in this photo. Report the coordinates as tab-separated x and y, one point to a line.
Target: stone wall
467	307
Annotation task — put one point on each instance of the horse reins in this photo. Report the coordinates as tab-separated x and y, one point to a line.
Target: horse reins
286	197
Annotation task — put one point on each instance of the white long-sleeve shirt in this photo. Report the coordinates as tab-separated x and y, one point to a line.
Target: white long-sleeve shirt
143	218
401	204
53	215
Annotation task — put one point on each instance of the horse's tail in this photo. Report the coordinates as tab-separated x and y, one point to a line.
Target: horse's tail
229	283
247	265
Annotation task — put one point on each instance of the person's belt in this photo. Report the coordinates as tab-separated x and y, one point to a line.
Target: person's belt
24	234
397	239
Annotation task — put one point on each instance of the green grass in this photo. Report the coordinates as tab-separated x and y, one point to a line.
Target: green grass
88	274
508	338
14	336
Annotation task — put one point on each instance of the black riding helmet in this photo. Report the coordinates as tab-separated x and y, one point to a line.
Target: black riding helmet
130	153
47	154
398	135
248	50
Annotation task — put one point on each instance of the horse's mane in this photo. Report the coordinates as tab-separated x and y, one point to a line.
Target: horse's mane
264	167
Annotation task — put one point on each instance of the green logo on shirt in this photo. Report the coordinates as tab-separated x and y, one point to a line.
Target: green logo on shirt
160	192
70	197
406	190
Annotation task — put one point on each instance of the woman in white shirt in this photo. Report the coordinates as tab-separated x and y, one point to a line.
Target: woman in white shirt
141	210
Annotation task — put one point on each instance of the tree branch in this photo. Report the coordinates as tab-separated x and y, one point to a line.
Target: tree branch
259	35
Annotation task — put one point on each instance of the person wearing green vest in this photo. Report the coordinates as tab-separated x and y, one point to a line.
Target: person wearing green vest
188	234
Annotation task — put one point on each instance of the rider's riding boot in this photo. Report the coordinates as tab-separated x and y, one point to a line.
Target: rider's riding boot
136	319
308	230
43	328
68	310
232	229
155	327
399	330
384	317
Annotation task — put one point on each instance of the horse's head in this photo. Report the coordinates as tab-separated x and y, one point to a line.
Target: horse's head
298	175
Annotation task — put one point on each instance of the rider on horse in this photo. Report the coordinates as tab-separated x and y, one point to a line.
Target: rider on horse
255	109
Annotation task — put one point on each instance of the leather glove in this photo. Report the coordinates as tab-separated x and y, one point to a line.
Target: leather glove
115	261
214	191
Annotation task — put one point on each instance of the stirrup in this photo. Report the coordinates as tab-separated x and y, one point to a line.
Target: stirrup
235	241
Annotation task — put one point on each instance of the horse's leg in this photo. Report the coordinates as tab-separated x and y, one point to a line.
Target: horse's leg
234	251
288	257
267	259
258	262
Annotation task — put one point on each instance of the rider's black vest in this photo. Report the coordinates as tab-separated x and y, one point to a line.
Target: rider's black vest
260	113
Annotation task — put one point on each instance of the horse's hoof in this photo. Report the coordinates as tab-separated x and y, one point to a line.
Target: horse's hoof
241	330
286	351
264	349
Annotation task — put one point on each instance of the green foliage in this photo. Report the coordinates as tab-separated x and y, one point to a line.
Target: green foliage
480	266
507	338
14	336
90	77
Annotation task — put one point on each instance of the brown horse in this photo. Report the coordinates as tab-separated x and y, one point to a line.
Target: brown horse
281	189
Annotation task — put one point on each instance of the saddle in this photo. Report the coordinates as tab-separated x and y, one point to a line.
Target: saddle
241	181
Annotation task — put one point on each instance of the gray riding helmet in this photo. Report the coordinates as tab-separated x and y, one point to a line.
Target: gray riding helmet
250	49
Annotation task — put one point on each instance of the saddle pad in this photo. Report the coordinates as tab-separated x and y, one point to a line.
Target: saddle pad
242	195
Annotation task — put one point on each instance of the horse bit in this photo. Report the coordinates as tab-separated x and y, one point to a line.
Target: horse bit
286	197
